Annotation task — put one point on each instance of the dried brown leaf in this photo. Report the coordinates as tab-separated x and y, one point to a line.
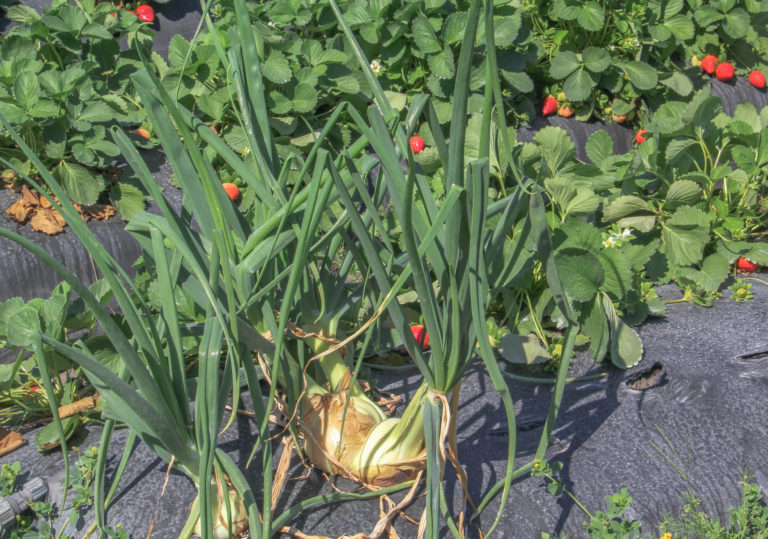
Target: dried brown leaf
19	211
101	211
29	197
9	441
48	222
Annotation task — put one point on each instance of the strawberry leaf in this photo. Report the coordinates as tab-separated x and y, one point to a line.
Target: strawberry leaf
626	348
685	234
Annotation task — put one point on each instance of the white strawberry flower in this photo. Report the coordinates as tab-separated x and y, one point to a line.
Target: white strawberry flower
610	242
376	67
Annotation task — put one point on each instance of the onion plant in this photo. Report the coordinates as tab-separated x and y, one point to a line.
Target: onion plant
447	246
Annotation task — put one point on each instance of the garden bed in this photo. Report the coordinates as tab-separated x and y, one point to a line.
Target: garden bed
714	362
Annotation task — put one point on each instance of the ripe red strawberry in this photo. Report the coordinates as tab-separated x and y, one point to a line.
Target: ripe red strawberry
639	138
417	143
746	266
421	336
724	72
757	79
145	13
233	191
708	64
549	106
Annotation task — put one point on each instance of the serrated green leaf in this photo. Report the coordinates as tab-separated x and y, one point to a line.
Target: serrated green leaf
591	17
82	185
506	29
682	192
278	103
21	325
747	113
578	86
96	111
745	159
672	8
519	80
707	15
621	107
396	100
44	109
642	223
685	235
564	64
304	98
679	83
599	146
574	232
581	273
26	90
347	84
639	253
624	206
177	51
454	27
522	349
128	199
736	23
680	26
677	148
618	272
441	65
584	202
714	270
596	59
424	36
555	146
641	75
276	68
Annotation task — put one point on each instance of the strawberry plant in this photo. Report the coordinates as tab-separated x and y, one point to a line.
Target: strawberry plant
63	80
